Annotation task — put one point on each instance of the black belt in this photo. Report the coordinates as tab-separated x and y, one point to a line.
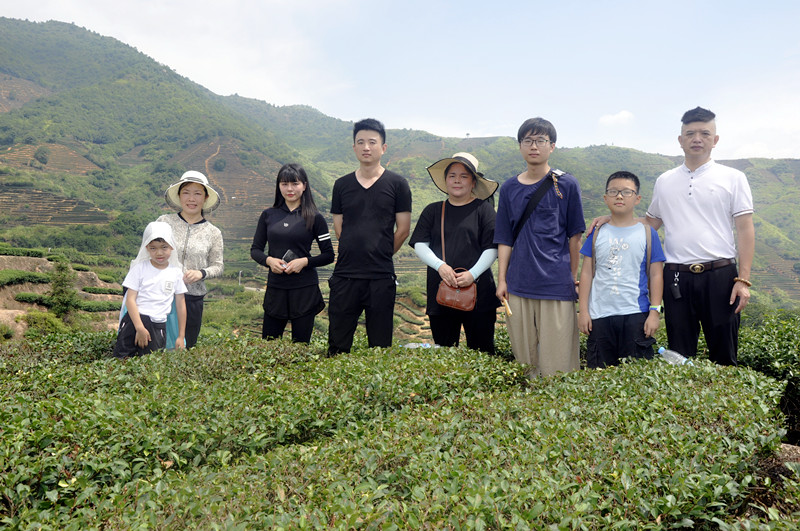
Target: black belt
701	267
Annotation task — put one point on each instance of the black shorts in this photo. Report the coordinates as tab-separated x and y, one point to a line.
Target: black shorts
126	338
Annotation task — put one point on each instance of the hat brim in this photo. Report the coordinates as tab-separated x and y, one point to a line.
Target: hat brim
171	197
484	188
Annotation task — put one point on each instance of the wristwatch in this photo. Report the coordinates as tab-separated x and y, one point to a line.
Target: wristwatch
658	308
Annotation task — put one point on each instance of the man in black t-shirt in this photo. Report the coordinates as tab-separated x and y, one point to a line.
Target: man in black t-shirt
371	210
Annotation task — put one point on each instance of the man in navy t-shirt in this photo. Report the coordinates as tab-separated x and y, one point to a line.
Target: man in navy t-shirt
371	210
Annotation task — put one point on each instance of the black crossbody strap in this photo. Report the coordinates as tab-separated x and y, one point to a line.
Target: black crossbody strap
532	203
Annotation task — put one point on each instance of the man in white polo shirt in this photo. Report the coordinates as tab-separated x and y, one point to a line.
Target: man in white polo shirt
699	204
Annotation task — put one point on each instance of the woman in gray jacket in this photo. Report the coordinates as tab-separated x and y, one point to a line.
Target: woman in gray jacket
199	243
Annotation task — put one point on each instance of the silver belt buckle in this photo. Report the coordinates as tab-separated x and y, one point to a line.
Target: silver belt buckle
697	268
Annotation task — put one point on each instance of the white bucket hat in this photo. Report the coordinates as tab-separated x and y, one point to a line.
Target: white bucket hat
171	195
484	188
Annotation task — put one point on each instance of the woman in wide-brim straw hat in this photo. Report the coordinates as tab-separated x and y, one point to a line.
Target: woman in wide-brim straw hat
198	243
468	240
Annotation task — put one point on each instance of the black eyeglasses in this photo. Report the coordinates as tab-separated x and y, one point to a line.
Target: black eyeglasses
625	193
541	142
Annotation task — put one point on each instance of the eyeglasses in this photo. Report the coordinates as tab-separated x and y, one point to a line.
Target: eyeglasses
625	193
540	142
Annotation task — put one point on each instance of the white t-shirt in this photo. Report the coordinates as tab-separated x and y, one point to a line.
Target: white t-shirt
155	289
698	209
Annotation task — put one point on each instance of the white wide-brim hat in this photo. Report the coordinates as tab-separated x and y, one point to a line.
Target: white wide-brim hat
173	200
484	188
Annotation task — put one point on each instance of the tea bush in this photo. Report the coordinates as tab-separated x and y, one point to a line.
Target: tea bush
10	277
772	346
242	433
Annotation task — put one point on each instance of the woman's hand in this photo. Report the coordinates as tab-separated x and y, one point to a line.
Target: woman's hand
448	275
464	279
191	276
276	265
296	265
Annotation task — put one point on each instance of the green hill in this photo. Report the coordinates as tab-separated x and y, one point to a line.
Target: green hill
91	124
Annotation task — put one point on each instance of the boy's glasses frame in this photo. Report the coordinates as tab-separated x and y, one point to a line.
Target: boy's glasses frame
624	193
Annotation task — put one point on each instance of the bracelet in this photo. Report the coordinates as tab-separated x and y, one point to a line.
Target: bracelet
743	281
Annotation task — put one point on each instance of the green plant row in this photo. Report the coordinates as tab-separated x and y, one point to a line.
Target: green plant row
72	430
83	305
587	451
241	433
103	291
10	277
19	251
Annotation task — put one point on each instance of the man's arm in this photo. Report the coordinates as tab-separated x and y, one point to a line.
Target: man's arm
746	243
503	258
653	222
574	254
402	221
337	225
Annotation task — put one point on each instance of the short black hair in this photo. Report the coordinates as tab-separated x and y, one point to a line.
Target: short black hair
158	240
698	114
624	175
536	126
369	124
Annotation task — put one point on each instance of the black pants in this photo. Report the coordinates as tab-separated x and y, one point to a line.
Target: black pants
348	298
478	328
126	338
194	318
301	328
704	301
615	337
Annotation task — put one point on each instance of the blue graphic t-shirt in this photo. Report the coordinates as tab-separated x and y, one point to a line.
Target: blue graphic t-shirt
620	282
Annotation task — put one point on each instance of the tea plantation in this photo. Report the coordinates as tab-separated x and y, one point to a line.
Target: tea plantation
239	433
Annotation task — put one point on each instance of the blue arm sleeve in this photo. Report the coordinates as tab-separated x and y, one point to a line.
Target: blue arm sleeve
485	261
427	256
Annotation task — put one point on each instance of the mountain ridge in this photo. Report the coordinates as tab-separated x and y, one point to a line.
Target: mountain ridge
115	128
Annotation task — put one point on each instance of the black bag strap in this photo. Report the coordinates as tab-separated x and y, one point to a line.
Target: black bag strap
534	201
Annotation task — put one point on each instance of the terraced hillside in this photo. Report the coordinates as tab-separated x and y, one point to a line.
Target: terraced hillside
16	92
43	208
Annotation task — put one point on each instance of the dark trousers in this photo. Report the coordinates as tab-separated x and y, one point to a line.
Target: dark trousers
301	328
478	328
194	318
126	338
703	301
348	298
615	337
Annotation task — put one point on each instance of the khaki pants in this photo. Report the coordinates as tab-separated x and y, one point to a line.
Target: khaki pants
544	335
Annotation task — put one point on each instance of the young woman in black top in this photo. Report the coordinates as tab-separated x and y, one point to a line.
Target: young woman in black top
287	231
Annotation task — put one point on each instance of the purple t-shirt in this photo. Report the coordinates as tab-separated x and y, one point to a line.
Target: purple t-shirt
539	267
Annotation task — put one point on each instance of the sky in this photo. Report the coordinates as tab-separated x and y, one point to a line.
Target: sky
604	72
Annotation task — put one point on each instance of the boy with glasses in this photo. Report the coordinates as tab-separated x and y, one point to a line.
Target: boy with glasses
617	309
538	255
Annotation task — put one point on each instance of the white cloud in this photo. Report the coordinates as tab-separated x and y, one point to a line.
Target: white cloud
621	118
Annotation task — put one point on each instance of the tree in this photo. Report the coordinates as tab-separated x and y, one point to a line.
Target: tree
42	154
63	296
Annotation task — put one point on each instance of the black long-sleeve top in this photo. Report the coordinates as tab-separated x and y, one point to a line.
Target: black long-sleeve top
281	230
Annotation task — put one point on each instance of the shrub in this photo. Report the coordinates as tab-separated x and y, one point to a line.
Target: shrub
275	435
32	298
772	347
9	277
17	251
42	323
6	332
102	291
